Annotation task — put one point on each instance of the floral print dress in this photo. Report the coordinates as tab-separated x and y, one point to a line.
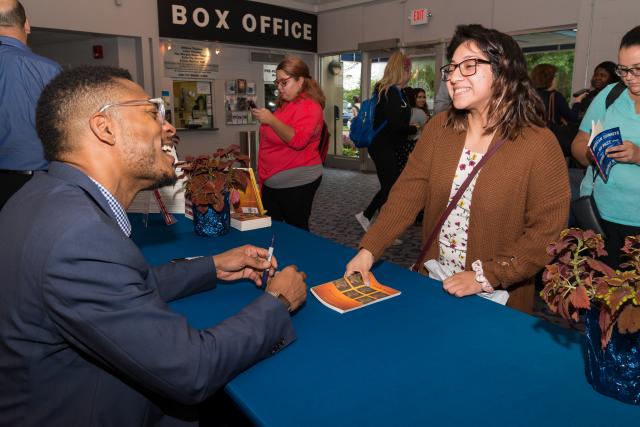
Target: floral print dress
454	232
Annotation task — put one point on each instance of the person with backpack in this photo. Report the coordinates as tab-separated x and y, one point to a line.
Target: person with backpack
489	177
393	109
292	145
617	105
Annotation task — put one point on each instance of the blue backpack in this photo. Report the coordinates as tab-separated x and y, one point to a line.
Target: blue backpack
362	131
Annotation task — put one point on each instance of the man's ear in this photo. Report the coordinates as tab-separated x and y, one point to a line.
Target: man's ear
27	26
102	128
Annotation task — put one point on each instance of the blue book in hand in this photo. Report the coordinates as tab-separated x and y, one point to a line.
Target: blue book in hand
600	141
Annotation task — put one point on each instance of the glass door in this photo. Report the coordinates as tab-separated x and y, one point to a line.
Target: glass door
340	82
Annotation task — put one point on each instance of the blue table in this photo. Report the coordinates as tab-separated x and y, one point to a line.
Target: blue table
423	358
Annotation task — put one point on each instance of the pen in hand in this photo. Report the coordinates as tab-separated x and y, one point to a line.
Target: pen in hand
265	274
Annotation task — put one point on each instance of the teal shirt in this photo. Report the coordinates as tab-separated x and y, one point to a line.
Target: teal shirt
619	199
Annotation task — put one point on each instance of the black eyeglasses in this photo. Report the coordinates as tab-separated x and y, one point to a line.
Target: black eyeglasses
622	71
468	67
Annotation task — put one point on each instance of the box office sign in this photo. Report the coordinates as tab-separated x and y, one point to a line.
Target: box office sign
235	21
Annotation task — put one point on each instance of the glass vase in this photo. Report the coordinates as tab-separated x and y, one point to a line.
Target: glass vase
614	371
212	223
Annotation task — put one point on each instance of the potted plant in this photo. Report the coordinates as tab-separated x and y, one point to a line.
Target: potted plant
578	282
212	184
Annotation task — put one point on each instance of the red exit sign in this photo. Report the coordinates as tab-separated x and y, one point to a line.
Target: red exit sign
419	16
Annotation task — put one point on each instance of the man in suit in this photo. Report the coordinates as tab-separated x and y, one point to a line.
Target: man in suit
86	337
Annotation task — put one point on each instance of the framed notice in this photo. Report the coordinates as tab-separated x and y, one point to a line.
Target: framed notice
239	95
193	104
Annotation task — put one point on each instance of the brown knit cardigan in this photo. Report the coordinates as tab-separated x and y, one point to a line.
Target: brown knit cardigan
520	204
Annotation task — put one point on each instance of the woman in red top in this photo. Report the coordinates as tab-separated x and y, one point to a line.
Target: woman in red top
289	163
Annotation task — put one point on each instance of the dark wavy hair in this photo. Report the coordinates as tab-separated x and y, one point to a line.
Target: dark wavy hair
542	75
14	17
514	103
79	91
295	67
631	38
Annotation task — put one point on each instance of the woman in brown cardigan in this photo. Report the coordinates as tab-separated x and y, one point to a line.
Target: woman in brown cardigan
497	235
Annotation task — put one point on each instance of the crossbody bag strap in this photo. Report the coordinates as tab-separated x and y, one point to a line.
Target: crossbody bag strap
551	110
452	204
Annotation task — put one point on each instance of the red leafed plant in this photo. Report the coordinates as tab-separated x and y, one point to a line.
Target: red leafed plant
209	177
578	279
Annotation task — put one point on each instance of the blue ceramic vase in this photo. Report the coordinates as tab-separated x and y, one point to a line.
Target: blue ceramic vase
614	372
212	223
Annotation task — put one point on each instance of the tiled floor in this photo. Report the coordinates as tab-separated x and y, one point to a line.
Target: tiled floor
341	195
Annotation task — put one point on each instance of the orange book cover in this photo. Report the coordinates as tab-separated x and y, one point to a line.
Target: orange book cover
250	201
350	293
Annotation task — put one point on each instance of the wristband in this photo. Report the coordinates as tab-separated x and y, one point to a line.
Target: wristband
476	266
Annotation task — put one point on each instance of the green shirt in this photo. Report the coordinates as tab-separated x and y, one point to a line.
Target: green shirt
618	200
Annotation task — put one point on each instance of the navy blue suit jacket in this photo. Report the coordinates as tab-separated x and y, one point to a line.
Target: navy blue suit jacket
86	337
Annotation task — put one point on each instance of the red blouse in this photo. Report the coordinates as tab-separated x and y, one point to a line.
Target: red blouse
304	115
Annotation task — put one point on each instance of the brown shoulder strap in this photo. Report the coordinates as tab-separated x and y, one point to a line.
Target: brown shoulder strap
452	204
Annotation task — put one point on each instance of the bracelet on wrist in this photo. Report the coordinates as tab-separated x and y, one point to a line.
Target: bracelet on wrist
476	266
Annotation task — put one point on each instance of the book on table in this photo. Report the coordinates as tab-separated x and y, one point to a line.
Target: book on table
350	293
249	221
599	141
248	213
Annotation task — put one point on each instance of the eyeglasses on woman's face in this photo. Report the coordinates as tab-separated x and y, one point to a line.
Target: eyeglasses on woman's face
468	67
280	83
623	71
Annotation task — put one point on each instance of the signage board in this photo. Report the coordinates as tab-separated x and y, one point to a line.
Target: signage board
234	21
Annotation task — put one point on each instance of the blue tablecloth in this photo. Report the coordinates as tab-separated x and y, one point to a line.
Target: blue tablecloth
422	358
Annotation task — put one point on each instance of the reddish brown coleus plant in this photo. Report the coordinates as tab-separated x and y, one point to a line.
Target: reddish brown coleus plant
578	279
209	177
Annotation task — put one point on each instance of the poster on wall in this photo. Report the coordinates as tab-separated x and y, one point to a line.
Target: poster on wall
188	61
193	108
239	94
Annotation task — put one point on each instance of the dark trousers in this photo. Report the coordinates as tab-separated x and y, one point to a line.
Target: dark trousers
291	205
11	182
615	240
388	172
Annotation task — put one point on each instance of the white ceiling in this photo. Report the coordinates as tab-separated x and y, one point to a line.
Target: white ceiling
315	5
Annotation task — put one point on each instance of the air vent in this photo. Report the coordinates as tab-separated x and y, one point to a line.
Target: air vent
273	58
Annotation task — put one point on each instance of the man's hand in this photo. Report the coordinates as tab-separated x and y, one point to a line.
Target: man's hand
462	284
245	262
628	152
290	284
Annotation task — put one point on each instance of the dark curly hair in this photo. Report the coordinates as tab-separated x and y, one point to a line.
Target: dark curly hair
514	104
74	92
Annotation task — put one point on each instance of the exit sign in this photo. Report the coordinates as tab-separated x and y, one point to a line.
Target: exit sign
419	16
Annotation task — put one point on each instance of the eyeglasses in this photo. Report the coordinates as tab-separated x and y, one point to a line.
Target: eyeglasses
282	82
468	67
158	103
622	71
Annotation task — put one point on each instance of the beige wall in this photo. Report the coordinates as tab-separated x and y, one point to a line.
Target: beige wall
389	19
141	55
600	25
